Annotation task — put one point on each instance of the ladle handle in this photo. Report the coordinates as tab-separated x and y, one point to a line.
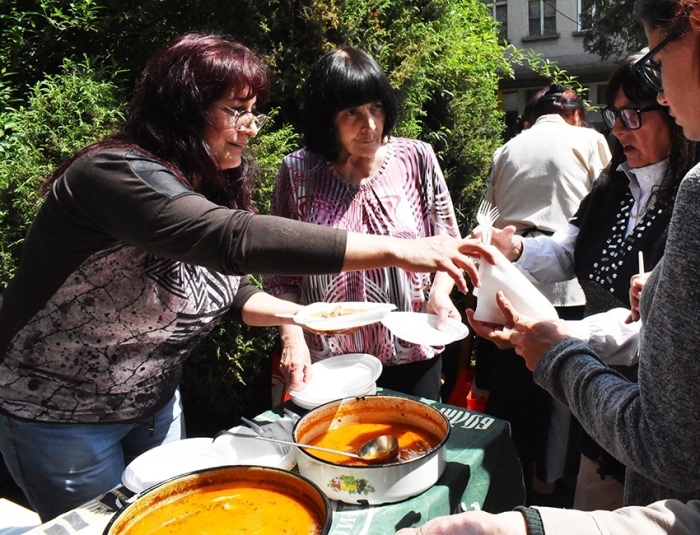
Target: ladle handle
289	443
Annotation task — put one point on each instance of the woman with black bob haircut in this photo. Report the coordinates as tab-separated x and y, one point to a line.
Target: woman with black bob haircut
343	79
355	176
140	248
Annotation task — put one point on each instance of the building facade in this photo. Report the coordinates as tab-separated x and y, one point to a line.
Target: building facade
551	28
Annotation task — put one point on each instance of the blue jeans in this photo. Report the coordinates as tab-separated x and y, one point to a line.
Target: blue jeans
62	466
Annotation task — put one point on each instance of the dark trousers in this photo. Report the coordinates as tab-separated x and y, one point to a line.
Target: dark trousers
421	378
541	427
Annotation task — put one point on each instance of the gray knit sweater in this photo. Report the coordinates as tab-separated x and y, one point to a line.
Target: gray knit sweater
652	426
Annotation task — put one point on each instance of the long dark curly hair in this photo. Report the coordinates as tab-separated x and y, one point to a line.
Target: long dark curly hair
169	112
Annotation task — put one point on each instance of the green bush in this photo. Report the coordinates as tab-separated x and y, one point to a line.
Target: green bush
63	113
267	150
443	56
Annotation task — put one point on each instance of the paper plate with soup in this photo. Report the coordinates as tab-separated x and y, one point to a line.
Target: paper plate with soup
341	316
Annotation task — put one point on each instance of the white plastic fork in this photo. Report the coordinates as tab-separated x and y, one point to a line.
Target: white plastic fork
270	431
486	216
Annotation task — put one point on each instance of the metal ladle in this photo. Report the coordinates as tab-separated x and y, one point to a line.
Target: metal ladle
377	450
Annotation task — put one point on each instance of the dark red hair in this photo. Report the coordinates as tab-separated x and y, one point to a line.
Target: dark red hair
170	110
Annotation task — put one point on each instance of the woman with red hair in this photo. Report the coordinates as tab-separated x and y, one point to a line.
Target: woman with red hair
140	248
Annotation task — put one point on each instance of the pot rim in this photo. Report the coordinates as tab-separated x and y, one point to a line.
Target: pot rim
326	522
431	453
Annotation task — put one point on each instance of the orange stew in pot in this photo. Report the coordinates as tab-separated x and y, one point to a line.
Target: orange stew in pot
230	510
413	440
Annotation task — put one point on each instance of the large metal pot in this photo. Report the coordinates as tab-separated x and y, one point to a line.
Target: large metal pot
176	492
373	483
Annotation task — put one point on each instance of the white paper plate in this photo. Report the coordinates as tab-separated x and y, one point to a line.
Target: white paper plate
419	328
354	374
362	314
174	459
258	452
312	403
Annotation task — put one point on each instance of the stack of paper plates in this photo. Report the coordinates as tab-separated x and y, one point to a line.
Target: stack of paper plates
191	454
174	459
351	375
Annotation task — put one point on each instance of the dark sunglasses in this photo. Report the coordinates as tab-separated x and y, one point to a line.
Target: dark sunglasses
630	117
648	70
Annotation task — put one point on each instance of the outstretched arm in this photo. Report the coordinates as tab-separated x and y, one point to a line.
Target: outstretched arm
425	255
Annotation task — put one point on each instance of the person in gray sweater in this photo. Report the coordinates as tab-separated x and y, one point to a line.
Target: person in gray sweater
651	426
666	517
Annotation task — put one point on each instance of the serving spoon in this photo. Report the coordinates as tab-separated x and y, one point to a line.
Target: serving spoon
377	450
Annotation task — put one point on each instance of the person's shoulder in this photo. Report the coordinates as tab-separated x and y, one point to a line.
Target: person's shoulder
694	173
411	146
155	174
114	155
302	158
410	142
592	132
94	161
396	140
303	165
97	155
500	151
124	167
690	187
521	141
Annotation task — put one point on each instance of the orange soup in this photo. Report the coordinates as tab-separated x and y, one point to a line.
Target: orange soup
230	510
413	441
338	311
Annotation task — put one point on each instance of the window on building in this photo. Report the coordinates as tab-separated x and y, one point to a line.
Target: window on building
499	10
542	17
586	14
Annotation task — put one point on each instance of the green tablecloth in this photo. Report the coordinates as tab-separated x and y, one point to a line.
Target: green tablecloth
482	472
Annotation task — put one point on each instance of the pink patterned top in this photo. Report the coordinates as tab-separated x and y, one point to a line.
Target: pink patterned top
407	198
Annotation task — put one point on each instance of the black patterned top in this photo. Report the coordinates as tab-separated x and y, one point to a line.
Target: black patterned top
124	271
605	256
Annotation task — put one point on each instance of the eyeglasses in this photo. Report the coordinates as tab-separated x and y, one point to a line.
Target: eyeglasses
648	70
630	117
242	119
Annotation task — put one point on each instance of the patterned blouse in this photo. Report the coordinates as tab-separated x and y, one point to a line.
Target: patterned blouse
407	198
